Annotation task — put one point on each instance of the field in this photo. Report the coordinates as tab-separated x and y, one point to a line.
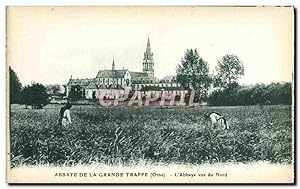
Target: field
130	135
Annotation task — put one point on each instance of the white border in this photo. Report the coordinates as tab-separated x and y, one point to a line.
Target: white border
5	3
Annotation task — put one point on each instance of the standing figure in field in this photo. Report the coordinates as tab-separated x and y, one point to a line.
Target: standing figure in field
216	119
64	115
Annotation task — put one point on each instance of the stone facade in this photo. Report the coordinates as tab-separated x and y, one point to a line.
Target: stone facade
114	82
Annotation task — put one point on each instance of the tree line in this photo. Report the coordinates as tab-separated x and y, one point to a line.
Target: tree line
222	88
218	89
259	94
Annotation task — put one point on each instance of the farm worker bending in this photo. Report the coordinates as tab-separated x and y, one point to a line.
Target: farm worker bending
64	113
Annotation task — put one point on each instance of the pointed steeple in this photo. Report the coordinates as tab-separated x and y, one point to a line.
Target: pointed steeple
113	64
148	49
148	63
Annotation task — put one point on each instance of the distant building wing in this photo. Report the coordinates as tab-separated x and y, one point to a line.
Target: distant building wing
169	78
92	85
158	88
145	80
138	74
102	87
80	82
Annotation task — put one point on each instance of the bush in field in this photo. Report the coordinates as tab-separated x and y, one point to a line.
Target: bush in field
127	136
35	95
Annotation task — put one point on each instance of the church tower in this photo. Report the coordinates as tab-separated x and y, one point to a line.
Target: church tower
148	62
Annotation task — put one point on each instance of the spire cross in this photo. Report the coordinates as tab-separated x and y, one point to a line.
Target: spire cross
113	64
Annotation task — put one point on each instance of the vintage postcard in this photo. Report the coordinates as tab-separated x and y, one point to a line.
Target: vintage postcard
150	94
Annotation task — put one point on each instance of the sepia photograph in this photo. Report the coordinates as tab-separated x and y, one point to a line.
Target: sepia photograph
150	94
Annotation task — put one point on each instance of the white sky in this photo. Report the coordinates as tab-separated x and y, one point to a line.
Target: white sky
49	44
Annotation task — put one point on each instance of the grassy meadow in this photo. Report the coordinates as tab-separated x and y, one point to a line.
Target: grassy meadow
130	135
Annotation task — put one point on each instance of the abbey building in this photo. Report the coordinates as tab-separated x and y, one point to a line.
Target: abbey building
119	81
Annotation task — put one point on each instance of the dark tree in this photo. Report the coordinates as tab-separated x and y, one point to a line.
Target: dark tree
259	94
229	69
224	97
35	95
26	96
193	73
76	93
15	87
